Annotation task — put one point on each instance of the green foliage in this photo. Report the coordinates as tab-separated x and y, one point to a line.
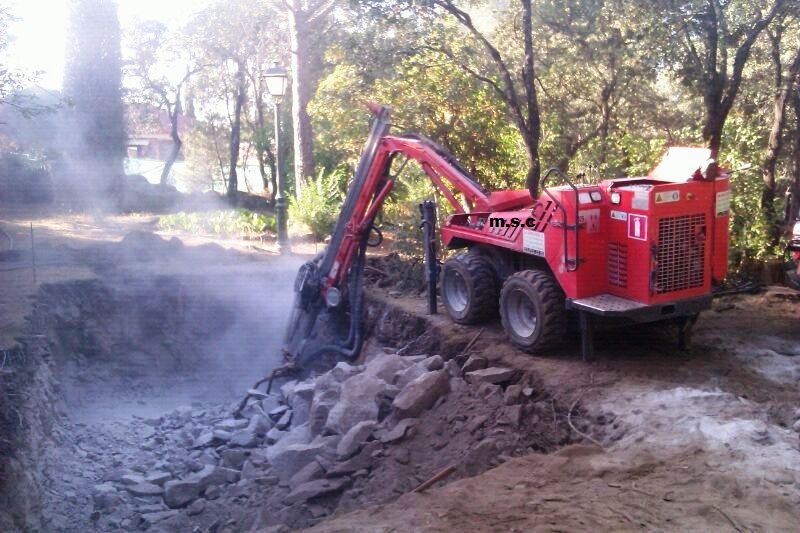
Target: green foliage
748	229
317	207
615	81
222	222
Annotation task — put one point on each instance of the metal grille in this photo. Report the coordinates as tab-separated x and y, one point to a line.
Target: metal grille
681	253
618	264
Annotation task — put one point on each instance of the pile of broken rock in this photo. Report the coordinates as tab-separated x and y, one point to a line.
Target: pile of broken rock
310	441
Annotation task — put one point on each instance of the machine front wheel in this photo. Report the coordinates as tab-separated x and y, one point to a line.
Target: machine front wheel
532	310
469	288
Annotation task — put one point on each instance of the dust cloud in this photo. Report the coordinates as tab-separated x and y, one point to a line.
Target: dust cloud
167	325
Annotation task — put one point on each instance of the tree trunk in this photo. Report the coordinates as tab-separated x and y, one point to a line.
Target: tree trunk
534	169
236	129
176	146
260	135
784	90
301	95
719	89
534	127
714	122
794	211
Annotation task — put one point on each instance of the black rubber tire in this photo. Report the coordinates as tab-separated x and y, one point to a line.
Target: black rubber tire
793	279
477	298
532	310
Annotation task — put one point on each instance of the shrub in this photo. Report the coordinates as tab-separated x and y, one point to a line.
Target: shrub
318	206
223	222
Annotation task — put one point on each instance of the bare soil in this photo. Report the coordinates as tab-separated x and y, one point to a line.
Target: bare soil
708	439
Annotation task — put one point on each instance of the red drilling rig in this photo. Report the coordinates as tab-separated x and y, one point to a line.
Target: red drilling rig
627	250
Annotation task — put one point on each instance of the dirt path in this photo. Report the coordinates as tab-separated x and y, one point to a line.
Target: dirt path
710	439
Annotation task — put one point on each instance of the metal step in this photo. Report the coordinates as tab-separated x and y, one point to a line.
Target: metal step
603	304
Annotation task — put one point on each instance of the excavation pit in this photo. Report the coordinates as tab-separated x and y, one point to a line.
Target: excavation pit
124	376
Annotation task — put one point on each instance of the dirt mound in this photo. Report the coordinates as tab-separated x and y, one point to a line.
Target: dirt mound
395	273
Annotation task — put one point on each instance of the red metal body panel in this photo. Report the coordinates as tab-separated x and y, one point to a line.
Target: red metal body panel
663	241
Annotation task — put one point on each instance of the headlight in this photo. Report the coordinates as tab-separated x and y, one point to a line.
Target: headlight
616	198
333	297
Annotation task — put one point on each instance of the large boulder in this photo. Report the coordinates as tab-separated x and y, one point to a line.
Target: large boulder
181	492
421	394
475	362
300	400
343	370
310	472
298	435
359	401
326	394
215	475
407	375
495	375
296	456
354	439
314	489
386	366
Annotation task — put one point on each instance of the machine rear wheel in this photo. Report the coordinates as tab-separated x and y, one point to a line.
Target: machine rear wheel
469	288
532	310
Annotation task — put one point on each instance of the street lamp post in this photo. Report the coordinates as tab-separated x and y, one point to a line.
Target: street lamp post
276	80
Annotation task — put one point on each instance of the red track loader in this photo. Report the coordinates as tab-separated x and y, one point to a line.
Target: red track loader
631	250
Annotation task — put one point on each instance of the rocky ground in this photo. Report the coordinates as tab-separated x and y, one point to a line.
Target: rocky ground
131	429
355	436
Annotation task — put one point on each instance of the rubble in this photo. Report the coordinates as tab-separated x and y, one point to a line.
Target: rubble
179	493
357	434
494	375
475	362
353	440
399	431
359	401
421	394
145	489
315	489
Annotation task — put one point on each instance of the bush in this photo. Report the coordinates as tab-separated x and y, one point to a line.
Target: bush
318	206
223	222
24	180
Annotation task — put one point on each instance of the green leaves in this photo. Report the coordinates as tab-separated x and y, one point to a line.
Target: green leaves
236	223
317	207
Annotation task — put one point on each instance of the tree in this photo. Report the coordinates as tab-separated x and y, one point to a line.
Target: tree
591	71
13	82
707	33
236	128
93	82
155	54
794	208
305	18
519	95
783	84
237	40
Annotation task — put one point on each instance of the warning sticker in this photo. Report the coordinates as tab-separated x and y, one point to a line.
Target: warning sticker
533	242
619	215
667	196
591	219
637	227
723	203
641	200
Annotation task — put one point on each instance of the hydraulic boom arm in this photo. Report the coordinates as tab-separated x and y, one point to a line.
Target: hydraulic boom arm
332	281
